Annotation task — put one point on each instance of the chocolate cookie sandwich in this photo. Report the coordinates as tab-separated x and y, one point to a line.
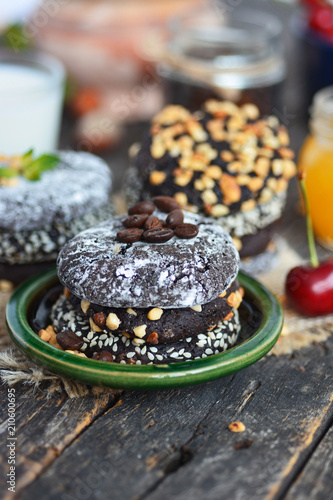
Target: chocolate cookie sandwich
157	286
224	162
44	202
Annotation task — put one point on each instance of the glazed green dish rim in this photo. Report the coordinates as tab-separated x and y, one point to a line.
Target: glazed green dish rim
116	375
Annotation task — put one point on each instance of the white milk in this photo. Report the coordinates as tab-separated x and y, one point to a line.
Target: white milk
31	97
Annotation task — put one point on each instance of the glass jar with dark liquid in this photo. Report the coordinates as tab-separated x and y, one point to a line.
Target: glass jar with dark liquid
238	57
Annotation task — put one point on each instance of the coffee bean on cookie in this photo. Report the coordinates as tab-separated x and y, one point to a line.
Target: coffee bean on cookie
144	207
152	222
136	220
130	235
166	203
186	231
68	340
175	218
158	235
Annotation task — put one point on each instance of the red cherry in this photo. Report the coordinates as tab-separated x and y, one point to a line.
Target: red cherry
321	21
310	289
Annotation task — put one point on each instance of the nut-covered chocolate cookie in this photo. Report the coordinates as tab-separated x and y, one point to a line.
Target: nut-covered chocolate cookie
95	266
224	161
118	348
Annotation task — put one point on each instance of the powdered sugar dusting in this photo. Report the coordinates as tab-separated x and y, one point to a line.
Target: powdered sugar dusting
179	273
80	183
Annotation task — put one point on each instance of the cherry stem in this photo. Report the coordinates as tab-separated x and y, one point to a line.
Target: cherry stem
309	229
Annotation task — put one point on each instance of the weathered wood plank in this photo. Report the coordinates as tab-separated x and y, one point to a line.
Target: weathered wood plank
176	444
44	427
316	480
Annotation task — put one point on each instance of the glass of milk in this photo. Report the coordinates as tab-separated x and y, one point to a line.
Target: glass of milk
31	98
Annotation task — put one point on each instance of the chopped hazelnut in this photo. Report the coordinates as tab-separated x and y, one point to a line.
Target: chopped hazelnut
228	316
140	331
265	195
155	314
236	427
230	189
85	304
255	184
248	205
181	198
289	169
227	156
250	111
153	338
207	182
234	300
157	148
214	172
157	177
44	335
208	196
237	242
112	321
184	178
277	167
93	326
219	210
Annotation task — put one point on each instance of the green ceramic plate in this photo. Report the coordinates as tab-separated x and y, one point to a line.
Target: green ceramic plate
261	318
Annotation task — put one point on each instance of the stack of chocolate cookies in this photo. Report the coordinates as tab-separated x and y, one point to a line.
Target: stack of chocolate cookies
153	287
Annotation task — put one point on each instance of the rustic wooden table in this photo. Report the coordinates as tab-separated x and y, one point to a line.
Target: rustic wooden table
176	443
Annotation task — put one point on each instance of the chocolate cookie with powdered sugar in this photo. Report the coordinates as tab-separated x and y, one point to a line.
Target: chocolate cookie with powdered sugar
37	217
153	286
98	268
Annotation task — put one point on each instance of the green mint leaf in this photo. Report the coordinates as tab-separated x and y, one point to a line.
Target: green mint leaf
8	172
33	170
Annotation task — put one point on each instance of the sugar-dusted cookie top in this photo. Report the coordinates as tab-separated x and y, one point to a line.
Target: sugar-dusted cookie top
80	183
97	267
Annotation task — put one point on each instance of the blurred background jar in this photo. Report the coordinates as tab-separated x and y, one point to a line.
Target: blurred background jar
316	159
312	25
232	54
31	99
102	45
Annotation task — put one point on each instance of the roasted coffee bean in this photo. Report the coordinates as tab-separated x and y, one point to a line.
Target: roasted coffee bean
158	235
130	235
68	340
152	222
166	203
99	319
175	218
186	231
136	220
144	207
106	356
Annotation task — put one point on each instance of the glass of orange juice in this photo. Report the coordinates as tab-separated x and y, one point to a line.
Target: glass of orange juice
316	159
